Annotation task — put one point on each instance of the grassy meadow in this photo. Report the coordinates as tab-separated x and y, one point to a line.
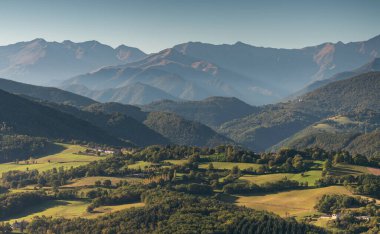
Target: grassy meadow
310	177
295	203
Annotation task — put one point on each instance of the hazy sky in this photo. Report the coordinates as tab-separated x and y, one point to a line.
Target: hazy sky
158	24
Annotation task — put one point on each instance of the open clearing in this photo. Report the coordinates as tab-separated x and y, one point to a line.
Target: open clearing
67	158
310	177
69	209
295	202
375	171
140	164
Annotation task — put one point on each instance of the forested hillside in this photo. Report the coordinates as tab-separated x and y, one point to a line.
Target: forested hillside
275	123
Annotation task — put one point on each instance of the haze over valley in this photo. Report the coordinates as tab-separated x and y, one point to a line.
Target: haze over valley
189	117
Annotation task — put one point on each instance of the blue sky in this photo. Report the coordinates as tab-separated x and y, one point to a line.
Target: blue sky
152	25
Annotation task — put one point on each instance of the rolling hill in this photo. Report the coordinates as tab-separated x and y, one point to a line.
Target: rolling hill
184	132
354	132
45	93
212	111
116	124
136	93
25	117
373	66
275	123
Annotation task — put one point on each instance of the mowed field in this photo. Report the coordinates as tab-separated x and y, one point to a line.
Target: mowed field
67	158
296	202
310	177
69	209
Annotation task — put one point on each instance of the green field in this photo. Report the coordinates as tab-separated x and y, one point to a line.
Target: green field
68	209
140	164
177	162
310	177
67	158
296	203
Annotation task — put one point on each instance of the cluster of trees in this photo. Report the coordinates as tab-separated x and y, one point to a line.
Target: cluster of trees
194	188
121	195
13	203
22	147
331	203
172	212
365	184
281	185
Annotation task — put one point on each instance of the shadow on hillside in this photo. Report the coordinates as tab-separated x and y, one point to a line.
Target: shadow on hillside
51	148
36	209
343	171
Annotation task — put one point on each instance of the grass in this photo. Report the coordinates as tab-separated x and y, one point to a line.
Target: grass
310	177
140	164
69	209
295	203
89	181
325	127
67	158
342	120
177	162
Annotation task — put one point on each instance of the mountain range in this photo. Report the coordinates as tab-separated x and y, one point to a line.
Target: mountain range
186	72
42	62
256	75
192	95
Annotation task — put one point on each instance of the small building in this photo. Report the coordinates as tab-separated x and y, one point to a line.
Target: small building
364	218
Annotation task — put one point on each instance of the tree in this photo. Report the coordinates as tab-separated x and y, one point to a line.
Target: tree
235	170
107	183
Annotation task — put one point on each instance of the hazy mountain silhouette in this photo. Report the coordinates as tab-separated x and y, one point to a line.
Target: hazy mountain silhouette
42	62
